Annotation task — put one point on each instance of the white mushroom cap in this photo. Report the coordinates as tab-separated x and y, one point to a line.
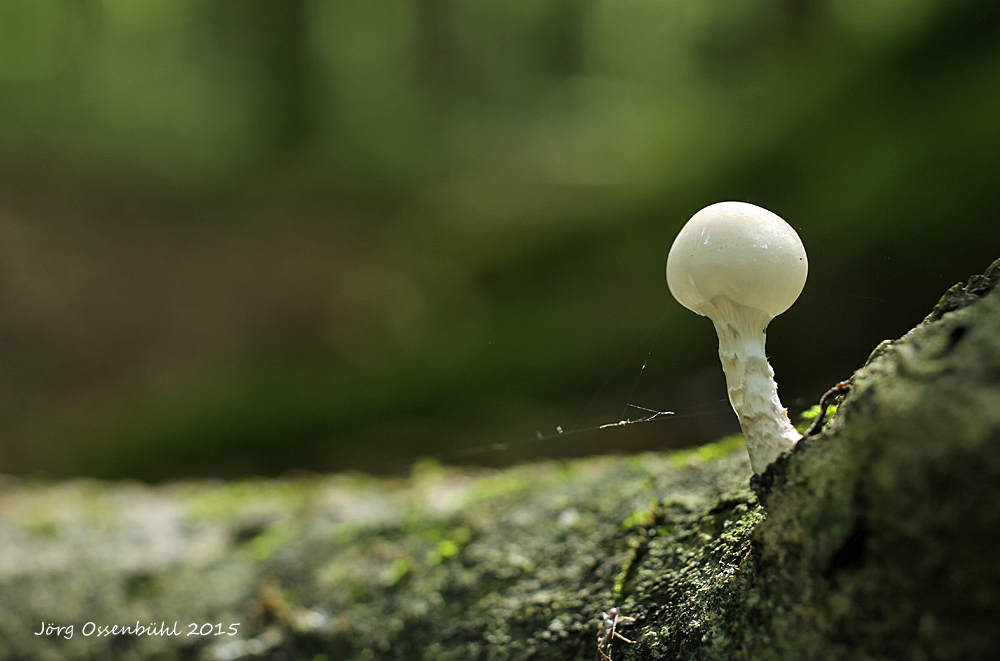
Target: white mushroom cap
738	251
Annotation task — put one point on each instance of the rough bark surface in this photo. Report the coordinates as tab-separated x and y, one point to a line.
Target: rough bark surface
880	540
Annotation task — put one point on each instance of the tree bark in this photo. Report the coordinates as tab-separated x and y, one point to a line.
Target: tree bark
878	539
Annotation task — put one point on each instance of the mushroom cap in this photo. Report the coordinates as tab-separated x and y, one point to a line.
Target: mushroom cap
740	251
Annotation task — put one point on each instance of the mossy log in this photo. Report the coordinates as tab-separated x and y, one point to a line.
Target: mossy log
879	538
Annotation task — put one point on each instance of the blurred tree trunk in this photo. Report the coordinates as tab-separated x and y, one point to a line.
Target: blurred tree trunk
269	41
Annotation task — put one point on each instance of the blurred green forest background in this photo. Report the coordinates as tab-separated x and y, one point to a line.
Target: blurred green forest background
244	237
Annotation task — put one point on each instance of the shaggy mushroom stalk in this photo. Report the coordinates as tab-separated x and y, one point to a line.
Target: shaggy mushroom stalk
741	266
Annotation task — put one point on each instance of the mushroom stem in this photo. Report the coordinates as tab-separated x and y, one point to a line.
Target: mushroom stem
750	380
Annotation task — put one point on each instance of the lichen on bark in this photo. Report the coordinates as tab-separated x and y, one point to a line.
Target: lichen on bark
878	541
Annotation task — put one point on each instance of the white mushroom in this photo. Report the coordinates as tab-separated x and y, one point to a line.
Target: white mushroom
741	266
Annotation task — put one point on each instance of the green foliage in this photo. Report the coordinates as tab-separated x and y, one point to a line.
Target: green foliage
249	237
641	518
806	417
708	452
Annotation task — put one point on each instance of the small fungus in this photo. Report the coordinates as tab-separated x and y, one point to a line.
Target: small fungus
741	266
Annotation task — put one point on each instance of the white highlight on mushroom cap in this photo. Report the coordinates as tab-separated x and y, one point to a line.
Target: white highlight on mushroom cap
740	251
